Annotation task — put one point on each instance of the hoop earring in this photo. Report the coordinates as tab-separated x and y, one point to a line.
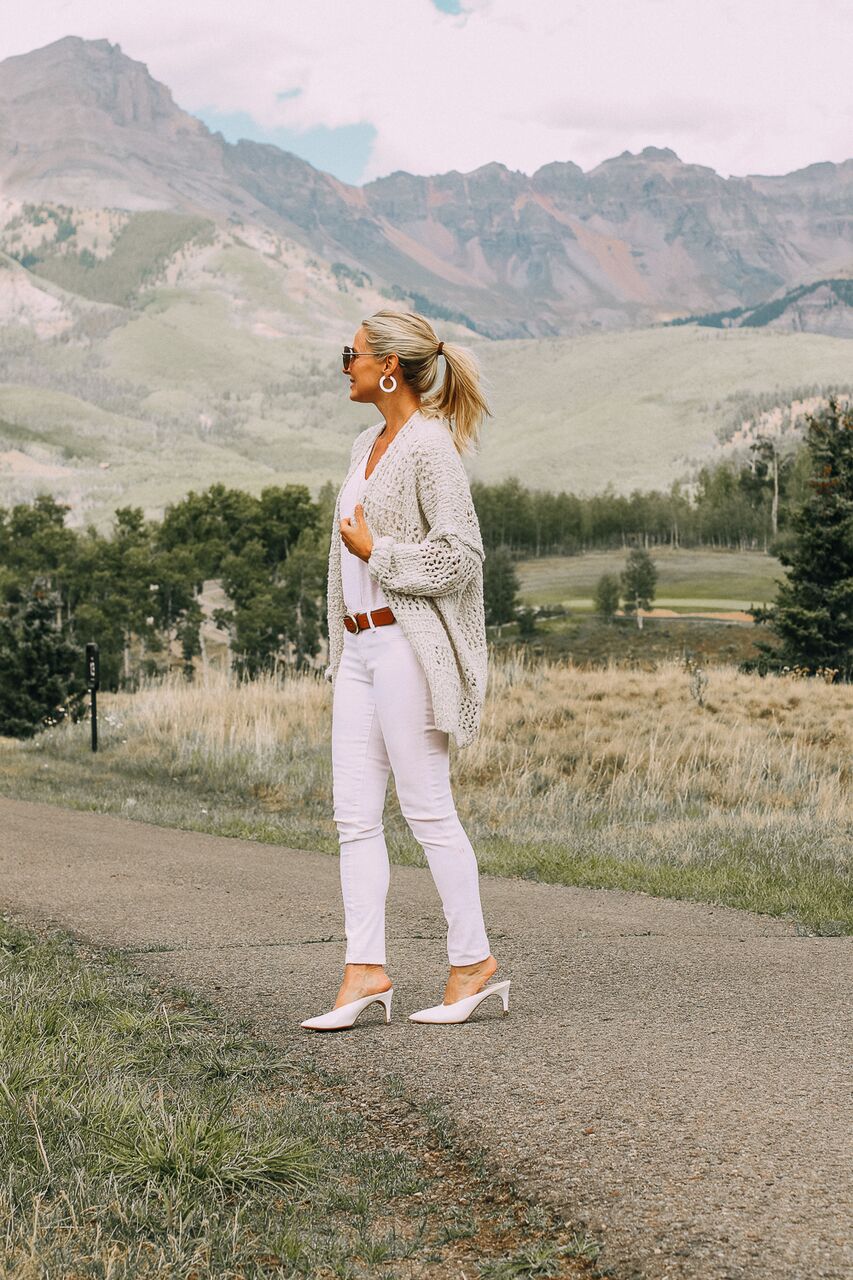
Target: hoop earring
393	386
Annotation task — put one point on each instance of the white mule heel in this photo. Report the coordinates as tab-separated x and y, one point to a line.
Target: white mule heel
344	1016
461	1009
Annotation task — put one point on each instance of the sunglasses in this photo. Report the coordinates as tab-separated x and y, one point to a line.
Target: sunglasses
349	354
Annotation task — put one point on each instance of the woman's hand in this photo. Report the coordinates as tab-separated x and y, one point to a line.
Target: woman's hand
356	534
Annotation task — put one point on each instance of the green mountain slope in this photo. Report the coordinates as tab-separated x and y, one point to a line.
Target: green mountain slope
222	382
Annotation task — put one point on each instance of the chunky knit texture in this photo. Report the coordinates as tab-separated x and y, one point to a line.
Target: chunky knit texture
428	558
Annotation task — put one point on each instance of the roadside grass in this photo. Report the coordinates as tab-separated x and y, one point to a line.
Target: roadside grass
143	1135
738	793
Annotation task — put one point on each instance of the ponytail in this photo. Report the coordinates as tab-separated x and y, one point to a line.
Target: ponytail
458	398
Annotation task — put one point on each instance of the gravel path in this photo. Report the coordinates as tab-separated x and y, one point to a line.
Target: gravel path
675	1076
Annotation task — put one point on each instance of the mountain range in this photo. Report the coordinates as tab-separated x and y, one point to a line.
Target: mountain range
172	306
637	240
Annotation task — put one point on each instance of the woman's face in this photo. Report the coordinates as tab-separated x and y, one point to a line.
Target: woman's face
366	370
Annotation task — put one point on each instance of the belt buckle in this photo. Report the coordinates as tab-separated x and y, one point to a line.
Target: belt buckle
355	620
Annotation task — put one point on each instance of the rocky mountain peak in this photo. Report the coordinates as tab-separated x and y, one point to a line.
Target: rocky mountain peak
659	153
78	76
83	123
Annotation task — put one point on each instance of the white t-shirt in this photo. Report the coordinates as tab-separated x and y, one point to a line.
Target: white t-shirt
361	591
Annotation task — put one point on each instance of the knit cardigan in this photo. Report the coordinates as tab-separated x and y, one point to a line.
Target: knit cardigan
428	559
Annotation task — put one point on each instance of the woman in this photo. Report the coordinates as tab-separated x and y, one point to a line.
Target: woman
407	653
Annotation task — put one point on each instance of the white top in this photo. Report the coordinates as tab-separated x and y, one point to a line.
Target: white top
361	591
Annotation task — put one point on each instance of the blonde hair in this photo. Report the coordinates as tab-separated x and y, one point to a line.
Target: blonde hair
413	340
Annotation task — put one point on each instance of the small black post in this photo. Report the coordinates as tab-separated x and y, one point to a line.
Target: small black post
93	680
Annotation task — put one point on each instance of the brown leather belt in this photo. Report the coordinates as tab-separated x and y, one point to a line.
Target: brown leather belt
356	622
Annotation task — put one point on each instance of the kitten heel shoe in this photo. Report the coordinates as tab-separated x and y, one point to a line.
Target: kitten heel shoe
344	1016
462	1009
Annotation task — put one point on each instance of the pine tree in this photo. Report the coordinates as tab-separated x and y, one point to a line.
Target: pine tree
41	669
606	597
638	580
500	587
813	611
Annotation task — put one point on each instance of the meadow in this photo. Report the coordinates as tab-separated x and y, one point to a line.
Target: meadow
699	608
673	780
695	578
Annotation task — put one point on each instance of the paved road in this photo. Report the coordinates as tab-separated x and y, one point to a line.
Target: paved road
673	1074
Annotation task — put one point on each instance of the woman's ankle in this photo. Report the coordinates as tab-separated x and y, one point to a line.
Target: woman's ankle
474	966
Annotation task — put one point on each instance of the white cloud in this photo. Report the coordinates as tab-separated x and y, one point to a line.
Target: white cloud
744	87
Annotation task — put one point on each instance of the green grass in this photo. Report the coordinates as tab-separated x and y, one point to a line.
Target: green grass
143	1135
688	578
139	253
63	439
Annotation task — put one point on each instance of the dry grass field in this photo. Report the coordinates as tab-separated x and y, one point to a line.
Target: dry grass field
737	792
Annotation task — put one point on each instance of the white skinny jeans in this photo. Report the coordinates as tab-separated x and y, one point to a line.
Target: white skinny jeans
382	719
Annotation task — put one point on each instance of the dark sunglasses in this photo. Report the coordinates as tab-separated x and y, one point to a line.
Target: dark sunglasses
349	354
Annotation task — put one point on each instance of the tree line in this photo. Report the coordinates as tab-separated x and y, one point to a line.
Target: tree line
743	504
136	589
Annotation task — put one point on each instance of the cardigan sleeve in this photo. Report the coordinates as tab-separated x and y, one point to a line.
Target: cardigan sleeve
452	551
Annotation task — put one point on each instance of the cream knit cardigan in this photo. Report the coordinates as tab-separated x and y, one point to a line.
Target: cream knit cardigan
428	559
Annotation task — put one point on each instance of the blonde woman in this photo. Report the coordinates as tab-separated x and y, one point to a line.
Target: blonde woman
407	652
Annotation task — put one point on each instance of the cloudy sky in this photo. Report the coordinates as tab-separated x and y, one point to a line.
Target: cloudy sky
363	87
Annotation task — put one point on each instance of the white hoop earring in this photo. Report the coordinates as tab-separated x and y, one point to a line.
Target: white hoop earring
393	386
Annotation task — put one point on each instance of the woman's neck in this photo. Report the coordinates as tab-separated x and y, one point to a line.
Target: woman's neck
396	420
